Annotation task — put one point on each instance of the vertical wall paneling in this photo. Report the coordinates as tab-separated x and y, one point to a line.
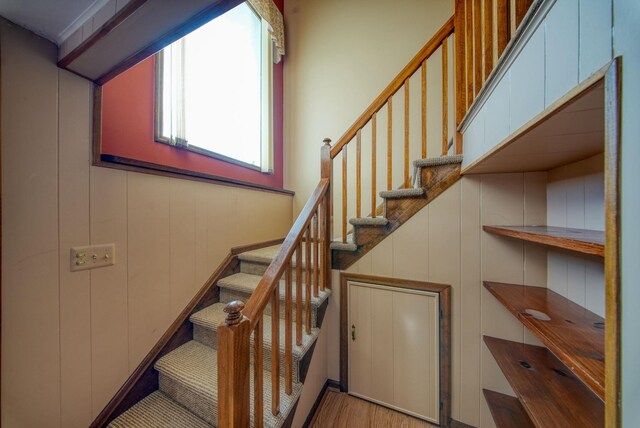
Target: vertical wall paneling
535	213
595	35
444	267
204	266
470	289
74	134
561	49
382	258
502	260
30	265
575	198
109	287
527	82
148	210
219	226
411	249
497	123
183	244
474	139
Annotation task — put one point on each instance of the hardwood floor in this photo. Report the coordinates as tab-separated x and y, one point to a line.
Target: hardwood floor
342	410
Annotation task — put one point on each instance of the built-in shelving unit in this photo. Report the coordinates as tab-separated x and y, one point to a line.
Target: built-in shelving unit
507	412
574	334
563	385
549	392
579	240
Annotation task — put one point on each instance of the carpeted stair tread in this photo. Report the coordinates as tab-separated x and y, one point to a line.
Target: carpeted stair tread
157	410
369	221
438	160
190	372
267	254
344	246
402	193
247	283
261	255
213	316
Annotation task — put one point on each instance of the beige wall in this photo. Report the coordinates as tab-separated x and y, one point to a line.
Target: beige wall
69	340
575	198
340	56
444	243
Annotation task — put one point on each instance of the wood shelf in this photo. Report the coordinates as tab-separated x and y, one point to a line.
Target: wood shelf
551	395
574	334
507	412
579	240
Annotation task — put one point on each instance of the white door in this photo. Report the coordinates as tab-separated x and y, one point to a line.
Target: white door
394	348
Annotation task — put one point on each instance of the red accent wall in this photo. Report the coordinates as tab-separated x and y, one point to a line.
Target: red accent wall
128	127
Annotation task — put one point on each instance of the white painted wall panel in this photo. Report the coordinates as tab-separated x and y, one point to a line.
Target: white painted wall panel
30	256
496	116
575	198
561	49
595	35
527	81
75	288
474	140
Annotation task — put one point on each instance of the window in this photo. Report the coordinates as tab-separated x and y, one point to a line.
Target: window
213	90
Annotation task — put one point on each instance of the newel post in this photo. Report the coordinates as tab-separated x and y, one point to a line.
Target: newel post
233	368
326	227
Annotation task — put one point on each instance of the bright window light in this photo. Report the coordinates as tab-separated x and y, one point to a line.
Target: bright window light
213	89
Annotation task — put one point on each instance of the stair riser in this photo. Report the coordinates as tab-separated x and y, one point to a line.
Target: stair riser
209	338
227	295
253	268
257	268
204	407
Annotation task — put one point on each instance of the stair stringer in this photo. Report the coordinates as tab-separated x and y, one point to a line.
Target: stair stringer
435	179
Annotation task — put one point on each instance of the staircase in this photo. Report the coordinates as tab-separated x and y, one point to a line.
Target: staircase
188	386
228	363
432	176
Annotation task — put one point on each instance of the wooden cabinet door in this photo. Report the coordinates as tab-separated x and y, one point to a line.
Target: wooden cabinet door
394	348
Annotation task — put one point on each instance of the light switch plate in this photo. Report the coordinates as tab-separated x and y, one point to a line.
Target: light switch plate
92	256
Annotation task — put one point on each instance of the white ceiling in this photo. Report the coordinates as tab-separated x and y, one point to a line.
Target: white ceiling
54	19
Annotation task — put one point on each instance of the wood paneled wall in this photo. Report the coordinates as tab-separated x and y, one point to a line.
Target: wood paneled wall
445	243
69	340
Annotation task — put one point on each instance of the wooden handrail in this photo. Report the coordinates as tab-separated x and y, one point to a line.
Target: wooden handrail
310	229
270	280
432	45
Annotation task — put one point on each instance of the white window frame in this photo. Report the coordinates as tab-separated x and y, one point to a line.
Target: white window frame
266	109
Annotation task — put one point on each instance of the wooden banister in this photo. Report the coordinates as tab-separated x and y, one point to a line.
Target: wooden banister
233	368
310	234
432	45
260	297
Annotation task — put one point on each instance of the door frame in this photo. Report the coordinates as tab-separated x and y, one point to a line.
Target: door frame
444	292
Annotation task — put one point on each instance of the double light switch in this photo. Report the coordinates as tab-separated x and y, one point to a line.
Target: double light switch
92	256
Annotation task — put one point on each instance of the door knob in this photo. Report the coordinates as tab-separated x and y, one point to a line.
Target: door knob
353	332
